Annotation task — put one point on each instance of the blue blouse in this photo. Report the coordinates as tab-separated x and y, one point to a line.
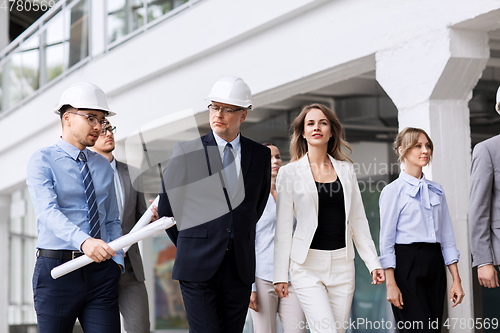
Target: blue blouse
414	210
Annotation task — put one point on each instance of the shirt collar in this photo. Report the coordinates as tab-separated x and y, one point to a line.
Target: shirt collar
70	149
222	143
113	164
412	180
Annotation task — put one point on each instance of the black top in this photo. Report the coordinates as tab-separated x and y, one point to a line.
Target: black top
330	233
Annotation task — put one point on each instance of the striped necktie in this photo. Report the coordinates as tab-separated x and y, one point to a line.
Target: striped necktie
93	214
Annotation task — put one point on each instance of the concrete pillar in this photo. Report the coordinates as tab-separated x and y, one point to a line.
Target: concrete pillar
4	262
430	80
4	28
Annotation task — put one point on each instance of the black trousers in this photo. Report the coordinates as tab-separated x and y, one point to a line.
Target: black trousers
421	277
219	304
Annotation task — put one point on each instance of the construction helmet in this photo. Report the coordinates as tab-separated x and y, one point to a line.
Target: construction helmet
231	90
497	106
85	95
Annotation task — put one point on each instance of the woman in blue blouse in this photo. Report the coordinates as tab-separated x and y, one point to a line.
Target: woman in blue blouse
264	303
417	240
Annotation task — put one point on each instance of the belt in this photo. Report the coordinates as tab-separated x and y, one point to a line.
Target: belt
59	254
230	245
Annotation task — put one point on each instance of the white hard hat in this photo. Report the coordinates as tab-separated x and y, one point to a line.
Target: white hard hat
85	95
497	106
231	90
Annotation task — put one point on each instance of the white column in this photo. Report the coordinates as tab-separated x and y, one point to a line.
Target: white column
430	80
4	28
4	262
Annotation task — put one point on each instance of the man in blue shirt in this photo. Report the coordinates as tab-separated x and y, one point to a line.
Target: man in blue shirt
73	194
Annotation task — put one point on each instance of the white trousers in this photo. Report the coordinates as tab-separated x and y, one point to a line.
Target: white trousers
324	284
291	315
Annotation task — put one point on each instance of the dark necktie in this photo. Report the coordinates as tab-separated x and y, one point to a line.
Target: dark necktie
230	169
93	213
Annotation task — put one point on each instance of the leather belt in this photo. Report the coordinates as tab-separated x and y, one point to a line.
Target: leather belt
59	254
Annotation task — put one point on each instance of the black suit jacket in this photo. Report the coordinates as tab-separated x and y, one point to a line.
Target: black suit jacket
201	248
133	208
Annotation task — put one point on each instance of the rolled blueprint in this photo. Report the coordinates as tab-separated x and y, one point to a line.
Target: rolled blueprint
117	244
143	221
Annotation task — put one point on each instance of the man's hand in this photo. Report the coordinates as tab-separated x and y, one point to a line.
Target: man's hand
487	276
281	289
154	210
97	249
253	302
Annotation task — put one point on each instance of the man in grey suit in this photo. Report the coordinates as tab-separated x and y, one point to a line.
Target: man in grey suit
133	297
484	209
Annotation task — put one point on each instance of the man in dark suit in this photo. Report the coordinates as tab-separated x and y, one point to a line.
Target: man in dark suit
133	297
216	187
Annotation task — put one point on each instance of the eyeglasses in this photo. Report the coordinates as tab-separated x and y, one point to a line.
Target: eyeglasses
225	110
93	121
110	129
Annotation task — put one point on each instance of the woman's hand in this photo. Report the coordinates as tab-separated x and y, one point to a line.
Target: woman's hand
253	302
281	289
394	296
456	293
378	276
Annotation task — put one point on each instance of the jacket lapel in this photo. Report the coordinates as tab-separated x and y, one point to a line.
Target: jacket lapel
212	153
124	174
307	178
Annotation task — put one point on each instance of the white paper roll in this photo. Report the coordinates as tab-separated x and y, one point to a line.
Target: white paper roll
118	244
144	220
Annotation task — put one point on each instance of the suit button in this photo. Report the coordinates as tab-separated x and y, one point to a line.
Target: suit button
228	230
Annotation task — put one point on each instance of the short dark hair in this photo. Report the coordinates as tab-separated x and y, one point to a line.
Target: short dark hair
63	109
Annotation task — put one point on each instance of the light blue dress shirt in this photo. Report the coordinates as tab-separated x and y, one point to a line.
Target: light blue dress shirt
236	144
57	191
414	210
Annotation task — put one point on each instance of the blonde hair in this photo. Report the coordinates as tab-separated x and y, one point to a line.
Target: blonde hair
336	144
407	139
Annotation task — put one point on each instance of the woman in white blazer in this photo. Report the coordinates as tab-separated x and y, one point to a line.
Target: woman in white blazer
320	189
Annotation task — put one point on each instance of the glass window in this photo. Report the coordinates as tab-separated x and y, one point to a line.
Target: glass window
78	19
54	48
12	82
30	54
22	246
124	17
158	8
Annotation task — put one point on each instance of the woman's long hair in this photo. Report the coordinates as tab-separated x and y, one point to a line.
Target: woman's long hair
337	146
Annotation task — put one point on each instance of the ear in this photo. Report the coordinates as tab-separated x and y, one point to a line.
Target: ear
66	119
243	115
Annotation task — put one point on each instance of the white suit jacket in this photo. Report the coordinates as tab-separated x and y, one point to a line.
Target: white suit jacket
297	195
